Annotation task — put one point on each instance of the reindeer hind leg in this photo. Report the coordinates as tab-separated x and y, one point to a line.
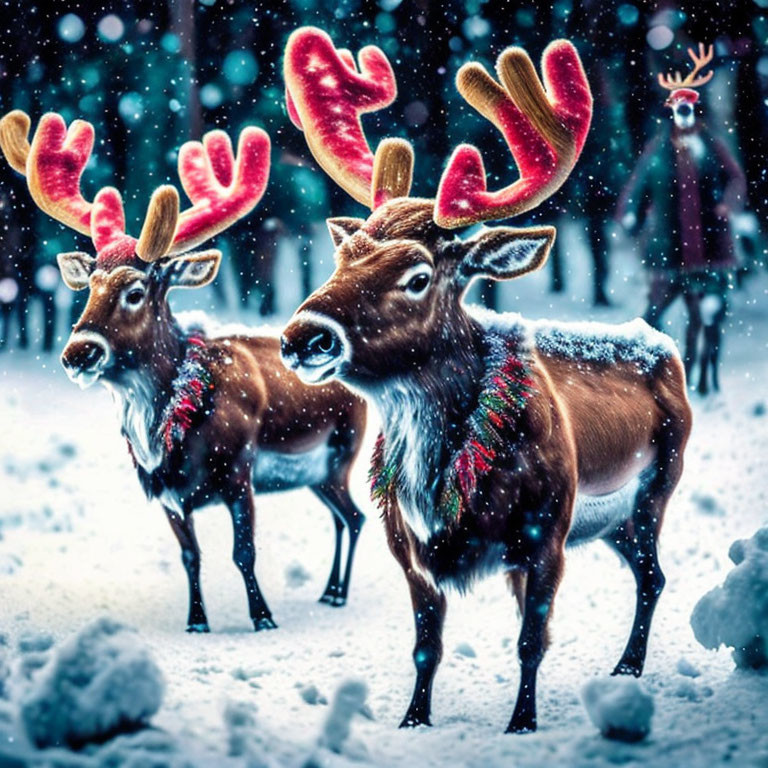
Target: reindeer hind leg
332	591
243	513
345	515
636	539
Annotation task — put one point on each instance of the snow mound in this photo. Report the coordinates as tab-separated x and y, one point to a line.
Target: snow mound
246	739
101	682
619	707
296	575
311	695
5	669
348	701
686	668
736	613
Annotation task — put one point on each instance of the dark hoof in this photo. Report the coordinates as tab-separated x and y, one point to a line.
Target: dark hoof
265	622
522	727
334	600
414	721
627	668
198	628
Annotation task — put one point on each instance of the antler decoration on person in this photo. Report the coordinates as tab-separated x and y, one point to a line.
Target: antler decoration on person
676	82
544	126
326	96
222	187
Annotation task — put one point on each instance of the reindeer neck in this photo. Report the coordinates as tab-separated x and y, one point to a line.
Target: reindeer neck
144	390
443	384
424	417
160	364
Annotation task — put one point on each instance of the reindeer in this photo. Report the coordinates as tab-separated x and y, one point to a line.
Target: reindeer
206	419
502	439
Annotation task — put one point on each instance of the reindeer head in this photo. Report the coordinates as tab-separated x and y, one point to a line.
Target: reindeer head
395	296
683	97
126	318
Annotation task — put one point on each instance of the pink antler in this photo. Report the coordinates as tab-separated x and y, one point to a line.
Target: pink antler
53	163
545	130
326	97
349	60
222	187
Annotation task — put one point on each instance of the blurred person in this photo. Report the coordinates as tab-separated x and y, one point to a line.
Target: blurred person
683	190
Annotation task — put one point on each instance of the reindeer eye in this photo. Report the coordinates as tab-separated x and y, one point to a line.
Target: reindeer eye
415	280
417	284
134	297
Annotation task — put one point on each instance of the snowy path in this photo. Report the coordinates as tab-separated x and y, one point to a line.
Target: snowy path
78	541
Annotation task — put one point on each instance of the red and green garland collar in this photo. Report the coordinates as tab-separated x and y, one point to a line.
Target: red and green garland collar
190	393
191	396
506	387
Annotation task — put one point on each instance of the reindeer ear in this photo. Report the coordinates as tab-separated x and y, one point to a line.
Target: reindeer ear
342	227
76	268
192	270
505	252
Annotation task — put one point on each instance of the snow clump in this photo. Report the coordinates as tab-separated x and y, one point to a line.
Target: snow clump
101	682
736	613
348	701
618	707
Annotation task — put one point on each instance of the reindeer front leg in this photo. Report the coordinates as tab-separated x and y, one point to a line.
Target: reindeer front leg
184	530
429	606
243	512
543	577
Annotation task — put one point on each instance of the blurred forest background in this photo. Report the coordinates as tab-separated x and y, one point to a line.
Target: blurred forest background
151	74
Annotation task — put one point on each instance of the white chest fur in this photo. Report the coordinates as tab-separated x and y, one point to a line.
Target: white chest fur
135	402
414	429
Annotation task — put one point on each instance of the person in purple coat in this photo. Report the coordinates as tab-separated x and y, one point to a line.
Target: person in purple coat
684	188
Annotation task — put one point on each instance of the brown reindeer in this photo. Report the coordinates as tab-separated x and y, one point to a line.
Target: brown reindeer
206	419
502	439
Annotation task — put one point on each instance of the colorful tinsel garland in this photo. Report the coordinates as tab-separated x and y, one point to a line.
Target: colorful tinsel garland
190	393
506	387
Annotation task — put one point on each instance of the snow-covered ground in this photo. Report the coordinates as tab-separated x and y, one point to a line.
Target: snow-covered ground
79	541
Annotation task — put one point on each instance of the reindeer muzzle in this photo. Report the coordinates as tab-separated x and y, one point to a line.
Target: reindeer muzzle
315	346
85	357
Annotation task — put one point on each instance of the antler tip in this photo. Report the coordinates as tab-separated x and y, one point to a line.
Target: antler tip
14	143
392	171
160	224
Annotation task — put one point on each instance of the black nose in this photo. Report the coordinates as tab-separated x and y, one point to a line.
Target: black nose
310	344
324	342
684	110
83	355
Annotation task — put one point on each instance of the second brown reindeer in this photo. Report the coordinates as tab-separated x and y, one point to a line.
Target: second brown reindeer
207	418
502	439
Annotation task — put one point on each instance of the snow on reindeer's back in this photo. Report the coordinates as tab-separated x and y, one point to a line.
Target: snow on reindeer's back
632	342
196	319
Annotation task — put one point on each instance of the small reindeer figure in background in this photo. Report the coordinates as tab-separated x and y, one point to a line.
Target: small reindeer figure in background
206	419
686	184
502	439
